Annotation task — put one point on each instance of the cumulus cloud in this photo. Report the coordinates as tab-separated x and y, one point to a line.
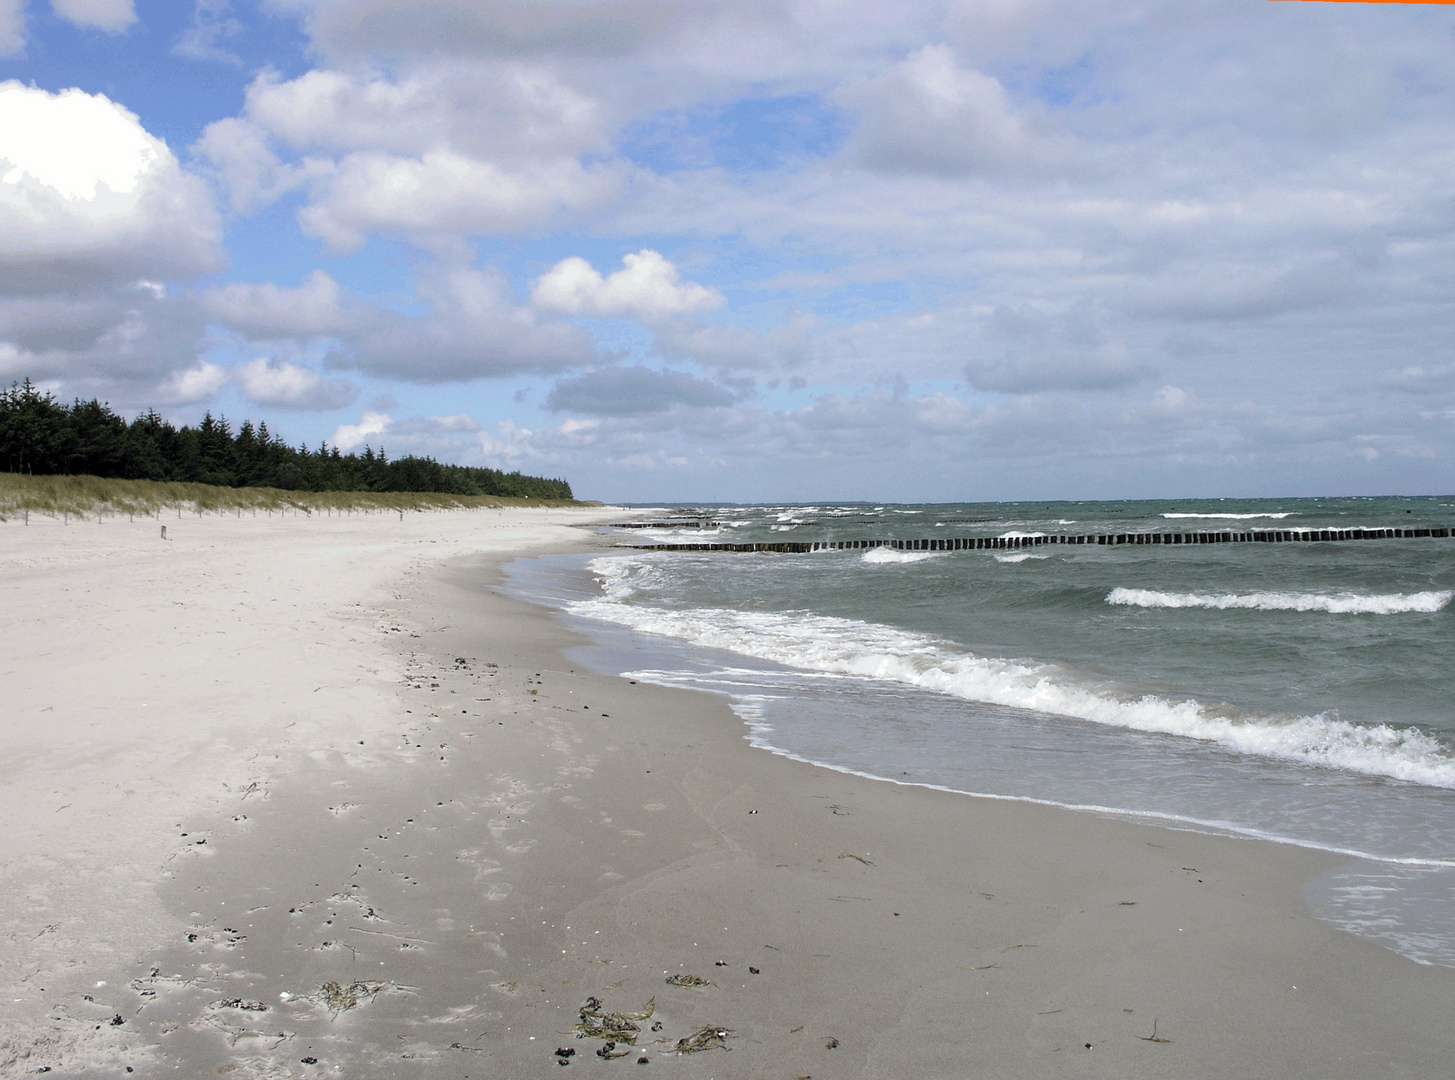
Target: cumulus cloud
97	218
268	381
429	156
314	309
503	113
466	325
112	16
87	194
200	382
929	114
1064	205
646	287
115	339
349	437
635	391
245	166
442	194
472	328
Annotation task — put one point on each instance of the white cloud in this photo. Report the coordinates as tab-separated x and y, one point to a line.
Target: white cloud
73	143
443	194
237	154
86	193
466	326
445	152
791	345
268	381
112	16
647	287
928	114
472	329
198	383
1024	216
635	391
211	24
315	308
349	437
503	113
510	28
12	27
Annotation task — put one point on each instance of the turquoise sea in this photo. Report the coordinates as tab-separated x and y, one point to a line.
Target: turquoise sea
1303	692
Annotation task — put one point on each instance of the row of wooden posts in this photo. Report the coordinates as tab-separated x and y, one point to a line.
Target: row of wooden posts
978	543
667	523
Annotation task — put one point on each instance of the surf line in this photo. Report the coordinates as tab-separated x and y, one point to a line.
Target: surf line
980	543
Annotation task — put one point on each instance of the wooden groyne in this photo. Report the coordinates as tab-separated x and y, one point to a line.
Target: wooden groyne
981	543
666	523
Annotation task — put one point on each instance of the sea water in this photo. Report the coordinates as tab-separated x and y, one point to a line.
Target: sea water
1300	692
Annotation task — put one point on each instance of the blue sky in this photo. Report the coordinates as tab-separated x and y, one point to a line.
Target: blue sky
778	250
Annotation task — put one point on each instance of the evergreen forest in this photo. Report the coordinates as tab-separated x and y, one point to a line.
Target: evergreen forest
42	436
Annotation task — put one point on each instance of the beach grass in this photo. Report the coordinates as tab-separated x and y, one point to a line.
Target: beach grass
63	497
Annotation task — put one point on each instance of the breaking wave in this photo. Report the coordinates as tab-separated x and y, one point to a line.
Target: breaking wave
1232	517
839	646
1334	603
884	555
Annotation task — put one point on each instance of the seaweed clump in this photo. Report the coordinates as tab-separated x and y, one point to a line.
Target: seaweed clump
613	1027
340	999
687	980
704	1038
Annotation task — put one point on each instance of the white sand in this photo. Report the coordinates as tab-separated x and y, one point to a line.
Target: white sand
490	843
149	683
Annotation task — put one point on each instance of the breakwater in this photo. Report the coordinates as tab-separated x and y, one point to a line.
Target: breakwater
982	543
666	523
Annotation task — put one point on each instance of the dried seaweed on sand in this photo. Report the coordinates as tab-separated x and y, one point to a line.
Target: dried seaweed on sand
704	1038
340	998
615	1027
686	980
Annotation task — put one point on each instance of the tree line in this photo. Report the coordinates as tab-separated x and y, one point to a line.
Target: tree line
43	436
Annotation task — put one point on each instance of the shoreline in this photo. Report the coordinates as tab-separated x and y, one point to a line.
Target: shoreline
590	852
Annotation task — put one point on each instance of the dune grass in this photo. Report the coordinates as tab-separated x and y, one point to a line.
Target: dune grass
64	497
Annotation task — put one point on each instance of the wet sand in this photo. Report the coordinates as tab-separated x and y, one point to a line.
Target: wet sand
487	837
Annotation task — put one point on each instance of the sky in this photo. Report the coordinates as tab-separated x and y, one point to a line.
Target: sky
754	250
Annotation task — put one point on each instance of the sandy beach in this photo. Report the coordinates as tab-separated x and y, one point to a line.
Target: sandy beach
297	797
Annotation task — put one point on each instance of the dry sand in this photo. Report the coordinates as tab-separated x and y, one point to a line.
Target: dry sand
408	789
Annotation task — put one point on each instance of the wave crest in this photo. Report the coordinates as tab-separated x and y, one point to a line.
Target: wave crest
885	555
1333	603
1232	517
838	646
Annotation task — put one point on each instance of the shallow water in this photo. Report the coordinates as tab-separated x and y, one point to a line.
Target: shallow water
1299	692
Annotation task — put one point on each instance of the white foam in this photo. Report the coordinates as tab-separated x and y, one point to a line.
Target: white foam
881	556
1231	517
1345	603
1019	557
869	650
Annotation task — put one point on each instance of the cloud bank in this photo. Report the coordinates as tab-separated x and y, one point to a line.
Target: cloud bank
1084	247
